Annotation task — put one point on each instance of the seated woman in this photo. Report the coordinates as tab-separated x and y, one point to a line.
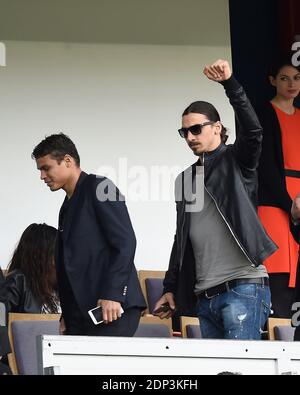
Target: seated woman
30	284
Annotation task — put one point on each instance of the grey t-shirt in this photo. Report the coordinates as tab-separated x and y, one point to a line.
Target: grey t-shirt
218	256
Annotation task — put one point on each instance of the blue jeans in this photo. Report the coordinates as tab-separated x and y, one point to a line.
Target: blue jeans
240	313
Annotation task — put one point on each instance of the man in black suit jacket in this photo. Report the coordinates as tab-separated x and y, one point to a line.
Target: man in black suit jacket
95	246
295	229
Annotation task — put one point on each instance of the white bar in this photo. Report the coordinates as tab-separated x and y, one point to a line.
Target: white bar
152	356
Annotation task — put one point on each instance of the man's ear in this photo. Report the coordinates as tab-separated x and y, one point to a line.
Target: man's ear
68	160
218	126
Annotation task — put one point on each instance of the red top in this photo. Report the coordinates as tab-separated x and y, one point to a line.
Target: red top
275	220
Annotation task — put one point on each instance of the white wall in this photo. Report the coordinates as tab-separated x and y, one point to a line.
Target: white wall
117	100
114	101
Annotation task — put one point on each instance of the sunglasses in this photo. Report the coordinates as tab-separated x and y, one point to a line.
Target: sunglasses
194	129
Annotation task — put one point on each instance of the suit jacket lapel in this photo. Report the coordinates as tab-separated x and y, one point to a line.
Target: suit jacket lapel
69	216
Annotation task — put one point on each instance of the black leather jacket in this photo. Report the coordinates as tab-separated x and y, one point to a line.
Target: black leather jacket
17	295
230	178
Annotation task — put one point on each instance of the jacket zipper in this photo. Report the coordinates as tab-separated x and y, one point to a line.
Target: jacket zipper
182	252
182	228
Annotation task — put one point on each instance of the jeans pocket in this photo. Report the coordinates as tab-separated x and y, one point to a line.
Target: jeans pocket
245	291
265	310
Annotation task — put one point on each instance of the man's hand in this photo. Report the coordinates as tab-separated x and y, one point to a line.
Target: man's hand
111	310
166	298
218	71
296	208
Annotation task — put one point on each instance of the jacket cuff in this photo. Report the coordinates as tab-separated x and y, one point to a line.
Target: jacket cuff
231	84
114	294
169	289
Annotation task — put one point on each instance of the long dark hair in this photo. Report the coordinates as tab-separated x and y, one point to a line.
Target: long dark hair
207	109
34	257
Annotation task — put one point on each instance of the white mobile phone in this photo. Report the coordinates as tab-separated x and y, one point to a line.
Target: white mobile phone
97	316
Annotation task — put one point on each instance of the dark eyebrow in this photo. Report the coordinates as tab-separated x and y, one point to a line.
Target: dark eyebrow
42	167
284	75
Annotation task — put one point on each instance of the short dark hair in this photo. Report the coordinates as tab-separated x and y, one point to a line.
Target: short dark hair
207	109
56	145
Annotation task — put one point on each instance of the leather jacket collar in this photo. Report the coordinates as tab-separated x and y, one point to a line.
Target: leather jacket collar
210	154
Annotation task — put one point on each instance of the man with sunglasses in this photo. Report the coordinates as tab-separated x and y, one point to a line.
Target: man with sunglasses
215	269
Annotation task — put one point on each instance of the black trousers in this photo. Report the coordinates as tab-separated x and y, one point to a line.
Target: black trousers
78	324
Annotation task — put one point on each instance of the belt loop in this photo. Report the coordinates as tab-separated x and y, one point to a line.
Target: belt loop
227	286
